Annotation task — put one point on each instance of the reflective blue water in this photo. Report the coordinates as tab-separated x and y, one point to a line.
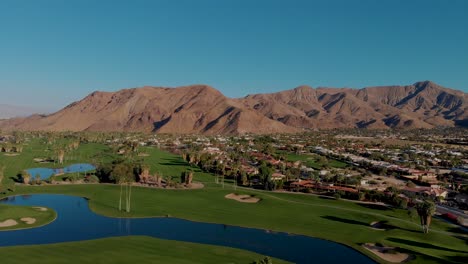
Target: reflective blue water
45	173
75	221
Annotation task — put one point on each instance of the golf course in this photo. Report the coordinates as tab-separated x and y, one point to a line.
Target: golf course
341	221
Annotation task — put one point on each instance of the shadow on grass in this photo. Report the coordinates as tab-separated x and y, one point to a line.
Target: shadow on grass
326	198
463	239
182	164
344	220
422	245
458	259
379	225
457	230
376	207
174	162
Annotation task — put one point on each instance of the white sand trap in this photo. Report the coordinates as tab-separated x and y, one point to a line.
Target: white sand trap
28	220
377	225
243	198
7	223
42	209
390	257
12	154
143	155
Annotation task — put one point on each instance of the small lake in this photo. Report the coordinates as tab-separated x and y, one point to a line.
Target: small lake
45	173
75	222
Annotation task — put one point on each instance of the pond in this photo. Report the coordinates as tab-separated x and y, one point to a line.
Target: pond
45	173
75	222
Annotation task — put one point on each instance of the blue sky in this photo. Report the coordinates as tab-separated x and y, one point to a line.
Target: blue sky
53	52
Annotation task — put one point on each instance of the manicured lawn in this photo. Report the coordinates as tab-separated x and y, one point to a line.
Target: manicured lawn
36	148
312	161
134	249
18	212
172	165
340	221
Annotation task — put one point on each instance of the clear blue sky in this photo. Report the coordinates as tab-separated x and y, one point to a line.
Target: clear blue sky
53	52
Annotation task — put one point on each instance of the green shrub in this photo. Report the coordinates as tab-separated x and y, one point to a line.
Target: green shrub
92	179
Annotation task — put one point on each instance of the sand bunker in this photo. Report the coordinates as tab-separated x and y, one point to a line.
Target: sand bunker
28	220
143	155
377	225
8	222
11	154
243	198
42	209
40	160
389	254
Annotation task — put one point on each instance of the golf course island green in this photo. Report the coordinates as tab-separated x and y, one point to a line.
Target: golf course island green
21	217
340	221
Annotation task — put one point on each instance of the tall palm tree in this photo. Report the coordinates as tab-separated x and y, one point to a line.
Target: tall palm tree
425	211
120	200
2	170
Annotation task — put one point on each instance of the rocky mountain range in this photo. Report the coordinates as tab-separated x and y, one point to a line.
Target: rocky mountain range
202	109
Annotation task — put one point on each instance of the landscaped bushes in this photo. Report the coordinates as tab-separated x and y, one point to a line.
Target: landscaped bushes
116	171
92	179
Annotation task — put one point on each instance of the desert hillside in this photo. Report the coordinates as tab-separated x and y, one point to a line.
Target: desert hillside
202	109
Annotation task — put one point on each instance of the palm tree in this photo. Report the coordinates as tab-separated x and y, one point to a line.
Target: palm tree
2	170
61	155
26	177
120	199
123	175
425	211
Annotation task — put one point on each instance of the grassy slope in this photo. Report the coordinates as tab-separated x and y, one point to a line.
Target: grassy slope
310	161
303	214
340	221
18	212
86	153
128	250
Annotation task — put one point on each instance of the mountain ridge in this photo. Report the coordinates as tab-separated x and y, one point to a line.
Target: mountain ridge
202	109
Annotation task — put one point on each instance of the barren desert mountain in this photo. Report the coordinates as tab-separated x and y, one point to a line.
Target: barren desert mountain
202	109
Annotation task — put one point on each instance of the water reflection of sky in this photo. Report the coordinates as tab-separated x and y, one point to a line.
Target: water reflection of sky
45	173
76	222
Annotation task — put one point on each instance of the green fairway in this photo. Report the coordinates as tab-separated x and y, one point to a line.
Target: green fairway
36	148
135	249
335	220
310	160
339	221
168	164
17	212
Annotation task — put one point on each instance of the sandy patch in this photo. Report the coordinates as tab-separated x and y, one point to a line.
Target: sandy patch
11	154
143	155
8	222
195	185
398	257
40	160
42	209
28	220
243	198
